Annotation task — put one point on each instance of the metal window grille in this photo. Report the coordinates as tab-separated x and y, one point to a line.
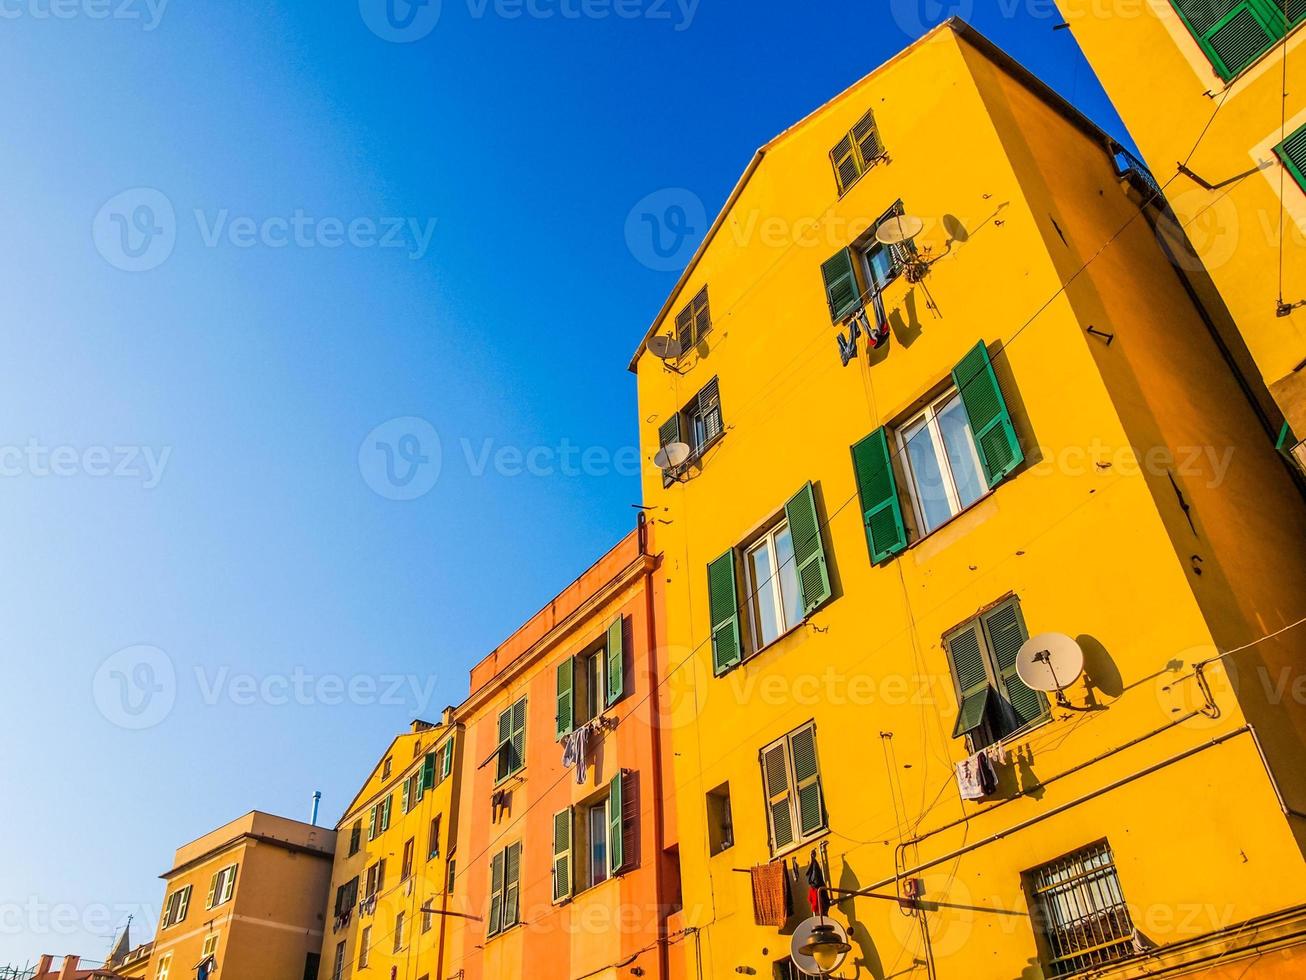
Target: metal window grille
1082	911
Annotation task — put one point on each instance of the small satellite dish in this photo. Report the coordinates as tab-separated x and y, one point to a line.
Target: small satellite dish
803	935
1049	662
671	456
664	347
898	229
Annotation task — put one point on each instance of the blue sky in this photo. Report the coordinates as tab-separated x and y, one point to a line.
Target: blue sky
244	246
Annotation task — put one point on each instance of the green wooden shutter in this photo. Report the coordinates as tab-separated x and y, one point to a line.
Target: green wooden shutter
966	655
512	885
668	433
213	891
990	422
809	550
385	811
562	821
1233	33
406	795
1292	152
503	768
807	781
779	806
867	137
841	293
447	769
519	735
616	824
723	605
1006	633
846	166
496	894
428	772
565	720
616	655
886	532
685	328
371	823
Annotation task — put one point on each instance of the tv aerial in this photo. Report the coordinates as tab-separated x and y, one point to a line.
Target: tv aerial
1050	662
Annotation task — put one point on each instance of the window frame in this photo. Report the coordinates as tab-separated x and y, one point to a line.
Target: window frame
767	538
182	895
693	321
491	930
856	152
801	837
220	897
364	946
1268	14
503	772
164	968
929	414
433	838
1088	883
338	961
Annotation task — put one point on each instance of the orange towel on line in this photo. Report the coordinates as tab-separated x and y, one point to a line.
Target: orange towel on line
770	884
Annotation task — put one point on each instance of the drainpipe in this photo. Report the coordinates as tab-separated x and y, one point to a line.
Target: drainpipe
655	731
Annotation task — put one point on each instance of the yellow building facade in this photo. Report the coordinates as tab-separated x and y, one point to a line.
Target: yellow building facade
1214	94
1035	431
388	901
243	901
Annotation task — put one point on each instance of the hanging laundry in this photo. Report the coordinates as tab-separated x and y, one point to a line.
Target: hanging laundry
988	777
770	885
818	891
968	779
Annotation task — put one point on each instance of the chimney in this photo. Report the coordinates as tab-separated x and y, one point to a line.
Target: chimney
43	967
69	967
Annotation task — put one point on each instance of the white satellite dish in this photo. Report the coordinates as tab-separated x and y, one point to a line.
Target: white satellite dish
1049	662
671	456
898	228
803	935
664	347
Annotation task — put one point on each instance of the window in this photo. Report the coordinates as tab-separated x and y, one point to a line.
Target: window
592	681
165	966
355	837
433	839
446	763
399	932
791	780
427	919
699	425
448	887
386	767
937	451
856	153
940	461
364	946
406	868
1234	33
346	897
176	907
505	871
312	964
338	964
720	820
512	741
590	840
221	887
375	880
414	787
693	321
994	701
1292	153
210	947
786	577
874	264
378	819
1080	912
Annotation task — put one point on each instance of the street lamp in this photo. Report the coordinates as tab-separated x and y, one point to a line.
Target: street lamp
826	947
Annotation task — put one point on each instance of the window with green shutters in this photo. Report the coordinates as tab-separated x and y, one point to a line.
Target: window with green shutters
877	489
566	687
856	153
512	741
791	785
446	768
1292	153
1235	33
812	573
615	654
428	772
843	296
505	891
993	701
562	876
986	410
617	824
591	681
693	321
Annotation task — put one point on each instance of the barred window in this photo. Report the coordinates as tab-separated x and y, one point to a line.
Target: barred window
1079	908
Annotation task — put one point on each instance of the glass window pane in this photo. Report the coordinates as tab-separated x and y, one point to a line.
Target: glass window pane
790	593
598	830
926	477
960	445
880	262
763	584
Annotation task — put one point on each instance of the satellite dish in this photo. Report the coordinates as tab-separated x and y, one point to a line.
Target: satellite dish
898	229
671	456
803	935
664	347
1049	662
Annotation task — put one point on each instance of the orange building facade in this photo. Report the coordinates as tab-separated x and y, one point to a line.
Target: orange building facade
567	862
